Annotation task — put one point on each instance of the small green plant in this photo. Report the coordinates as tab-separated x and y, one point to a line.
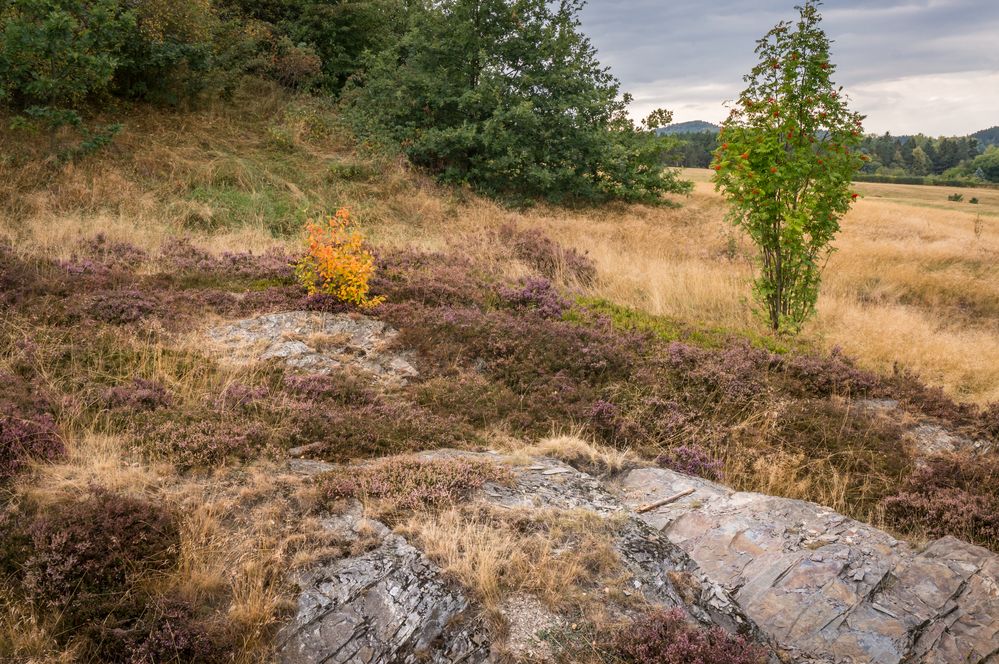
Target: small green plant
973	201
957	198
787	156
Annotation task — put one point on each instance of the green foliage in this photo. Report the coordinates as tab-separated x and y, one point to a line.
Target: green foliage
956	197
336	32
787	157
509	97
58	56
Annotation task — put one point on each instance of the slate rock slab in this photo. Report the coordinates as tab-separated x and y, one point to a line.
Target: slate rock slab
826	588
316	342
390	604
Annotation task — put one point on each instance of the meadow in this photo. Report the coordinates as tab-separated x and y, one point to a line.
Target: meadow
605	336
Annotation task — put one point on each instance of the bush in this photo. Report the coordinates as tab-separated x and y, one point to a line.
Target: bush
25	438
956	197
950	495
204	443
86	554
167	629
665	637
512	103
692	460
121	307
137	394
337	263
547	256
536	294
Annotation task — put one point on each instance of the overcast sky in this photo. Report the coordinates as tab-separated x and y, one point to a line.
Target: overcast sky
929	66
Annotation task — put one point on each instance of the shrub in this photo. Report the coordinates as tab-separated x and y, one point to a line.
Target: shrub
973	201
86	554
108	254
955	197
166	629
372	429
412	483
818	376
205	443
692	460
547	256
665	637
950	495
430	278
138	394
339	387
538	295
24	438
337	262
121	307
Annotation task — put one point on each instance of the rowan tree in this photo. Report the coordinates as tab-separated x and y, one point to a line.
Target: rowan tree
787	154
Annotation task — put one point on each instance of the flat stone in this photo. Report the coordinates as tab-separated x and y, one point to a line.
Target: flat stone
824	598
316	342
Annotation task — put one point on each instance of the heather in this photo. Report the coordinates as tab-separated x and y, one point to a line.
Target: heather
665	637
86	555
950	495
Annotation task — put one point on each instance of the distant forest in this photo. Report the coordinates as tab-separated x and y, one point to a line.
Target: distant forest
972	158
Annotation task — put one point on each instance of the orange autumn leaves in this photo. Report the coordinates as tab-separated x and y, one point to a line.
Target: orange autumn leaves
338	263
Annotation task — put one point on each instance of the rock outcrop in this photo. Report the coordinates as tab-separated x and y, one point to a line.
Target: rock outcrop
826	588
316	342
808	583
389	604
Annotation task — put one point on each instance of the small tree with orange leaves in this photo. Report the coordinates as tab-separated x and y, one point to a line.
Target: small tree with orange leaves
338	262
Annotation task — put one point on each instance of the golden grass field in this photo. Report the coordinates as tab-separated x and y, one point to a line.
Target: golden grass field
914	282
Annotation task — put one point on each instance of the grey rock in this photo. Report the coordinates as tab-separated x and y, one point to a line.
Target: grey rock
390	604
858	597
316	342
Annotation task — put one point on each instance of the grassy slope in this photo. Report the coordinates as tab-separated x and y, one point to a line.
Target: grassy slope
244	177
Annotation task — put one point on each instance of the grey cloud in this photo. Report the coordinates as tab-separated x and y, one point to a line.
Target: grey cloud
691	55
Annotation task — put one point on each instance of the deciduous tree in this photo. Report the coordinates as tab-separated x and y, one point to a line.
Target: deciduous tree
787	156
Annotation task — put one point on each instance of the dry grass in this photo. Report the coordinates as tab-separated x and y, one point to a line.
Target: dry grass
565	558
573	449
914	280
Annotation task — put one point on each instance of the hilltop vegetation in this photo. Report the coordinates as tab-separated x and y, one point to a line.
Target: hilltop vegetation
507	98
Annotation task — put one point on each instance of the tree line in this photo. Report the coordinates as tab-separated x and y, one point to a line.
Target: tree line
950	158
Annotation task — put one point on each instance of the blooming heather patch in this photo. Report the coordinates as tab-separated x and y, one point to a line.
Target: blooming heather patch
85	554
181	256
25	438
206	443
538	295
101	254
430	278
138	394
412	483
665	637
950	495
692	460
120	307
547	256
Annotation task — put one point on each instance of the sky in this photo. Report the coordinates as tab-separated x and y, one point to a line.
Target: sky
911	66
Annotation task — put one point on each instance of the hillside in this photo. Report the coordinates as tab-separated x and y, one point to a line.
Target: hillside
691	127
159	383
988	136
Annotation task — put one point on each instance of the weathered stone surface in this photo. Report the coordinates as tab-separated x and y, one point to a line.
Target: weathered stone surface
827	588
316	342
661	571
387	605
926	436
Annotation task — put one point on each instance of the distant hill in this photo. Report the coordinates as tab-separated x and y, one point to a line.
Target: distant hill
988	136
692	127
